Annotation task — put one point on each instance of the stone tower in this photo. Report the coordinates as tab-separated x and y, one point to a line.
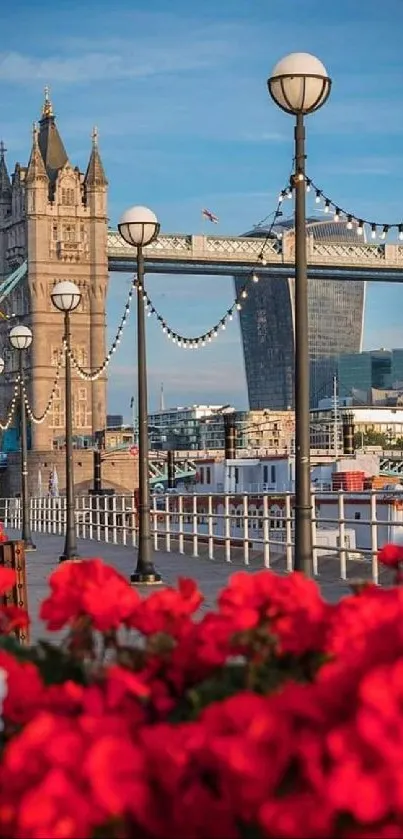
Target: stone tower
55	218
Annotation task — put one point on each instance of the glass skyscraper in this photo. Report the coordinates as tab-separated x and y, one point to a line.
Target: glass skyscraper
335	312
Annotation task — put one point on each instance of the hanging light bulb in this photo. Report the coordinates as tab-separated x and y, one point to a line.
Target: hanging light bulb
327	206
360	228
385	231
230	315
373	231
215	333
244	293
289	193
209	336
281	196
255	278
349	222
263	260
223	326
308	185
239	307
401	232
318	196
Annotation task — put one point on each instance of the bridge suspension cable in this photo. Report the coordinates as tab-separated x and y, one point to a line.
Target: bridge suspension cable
197	341
377	228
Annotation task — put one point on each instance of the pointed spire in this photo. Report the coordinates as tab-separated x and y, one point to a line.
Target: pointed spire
95	174
5	183
50	143
36	167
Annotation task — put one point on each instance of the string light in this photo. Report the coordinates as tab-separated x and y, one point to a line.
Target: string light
10	414
351	217
95	374
194	342
37	420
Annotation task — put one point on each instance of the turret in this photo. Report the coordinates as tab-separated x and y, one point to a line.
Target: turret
5	186
36	180
95	191
95	182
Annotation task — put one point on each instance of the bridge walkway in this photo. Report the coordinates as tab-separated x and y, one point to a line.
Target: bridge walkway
211	575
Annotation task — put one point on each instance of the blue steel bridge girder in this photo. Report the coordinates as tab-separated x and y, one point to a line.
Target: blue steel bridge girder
201	267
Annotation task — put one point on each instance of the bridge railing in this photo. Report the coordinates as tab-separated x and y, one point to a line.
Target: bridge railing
256	530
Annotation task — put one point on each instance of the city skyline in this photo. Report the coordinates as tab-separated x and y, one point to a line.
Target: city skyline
185	122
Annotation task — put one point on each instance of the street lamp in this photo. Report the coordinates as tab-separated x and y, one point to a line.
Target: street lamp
66	297
138	227
299	85
20	338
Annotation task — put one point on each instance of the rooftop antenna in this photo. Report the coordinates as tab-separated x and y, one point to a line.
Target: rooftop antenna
162	400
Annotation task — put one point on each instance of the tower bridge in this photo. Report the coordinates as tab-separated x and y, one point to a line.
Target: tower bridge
229	255
54	225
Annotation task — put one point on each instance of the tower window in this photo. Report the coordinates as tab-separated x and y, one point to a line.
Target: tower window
69	233
67	197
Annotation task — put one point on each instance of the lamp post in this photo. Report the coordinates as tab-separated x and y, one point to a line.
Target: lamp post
138	227
299	85
20	338
66	297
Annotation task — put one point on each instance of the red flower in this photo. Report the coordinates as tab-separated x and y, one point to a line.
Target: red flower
169	610
12	618
88	588
25	689
391	555
7	579
291	607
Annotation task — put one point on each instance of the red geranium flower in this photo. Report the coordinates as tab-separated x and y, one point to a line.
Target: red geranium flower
7	579
12	618
92	589
391	555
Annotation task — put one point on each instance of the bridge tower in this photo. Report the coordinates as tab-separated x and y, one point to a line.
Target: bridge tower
58	223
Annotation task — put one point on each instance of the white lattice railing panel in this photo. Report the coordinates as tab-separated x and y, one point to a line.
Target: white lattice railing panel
343	254
171	244
236	246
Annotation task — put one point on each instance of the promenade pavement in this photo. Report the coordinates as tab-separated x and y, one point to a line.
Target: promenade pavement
211	575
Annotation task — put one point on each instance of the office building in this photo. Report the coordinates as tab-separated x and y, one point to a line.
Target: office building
335	312
379	370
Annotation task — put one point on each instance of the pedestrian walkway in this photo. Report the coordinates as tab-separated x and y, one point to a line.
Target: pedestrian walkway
211	575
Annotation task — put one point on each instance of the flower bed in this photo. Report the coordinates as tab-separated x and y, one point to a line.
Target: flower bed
277	715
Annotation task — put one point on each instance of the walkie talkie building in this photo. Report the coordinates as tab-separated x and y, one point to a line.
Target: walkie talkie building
336	318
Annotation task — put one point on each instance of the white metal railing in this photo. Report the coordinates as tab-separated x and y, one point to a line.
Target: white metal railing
242	528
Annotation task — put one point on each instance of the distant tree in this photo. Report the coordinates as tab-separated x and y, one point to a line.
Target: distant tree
370	438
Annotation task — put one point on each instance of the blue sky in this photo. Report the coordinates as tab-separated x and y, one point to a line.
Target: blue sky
178	92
